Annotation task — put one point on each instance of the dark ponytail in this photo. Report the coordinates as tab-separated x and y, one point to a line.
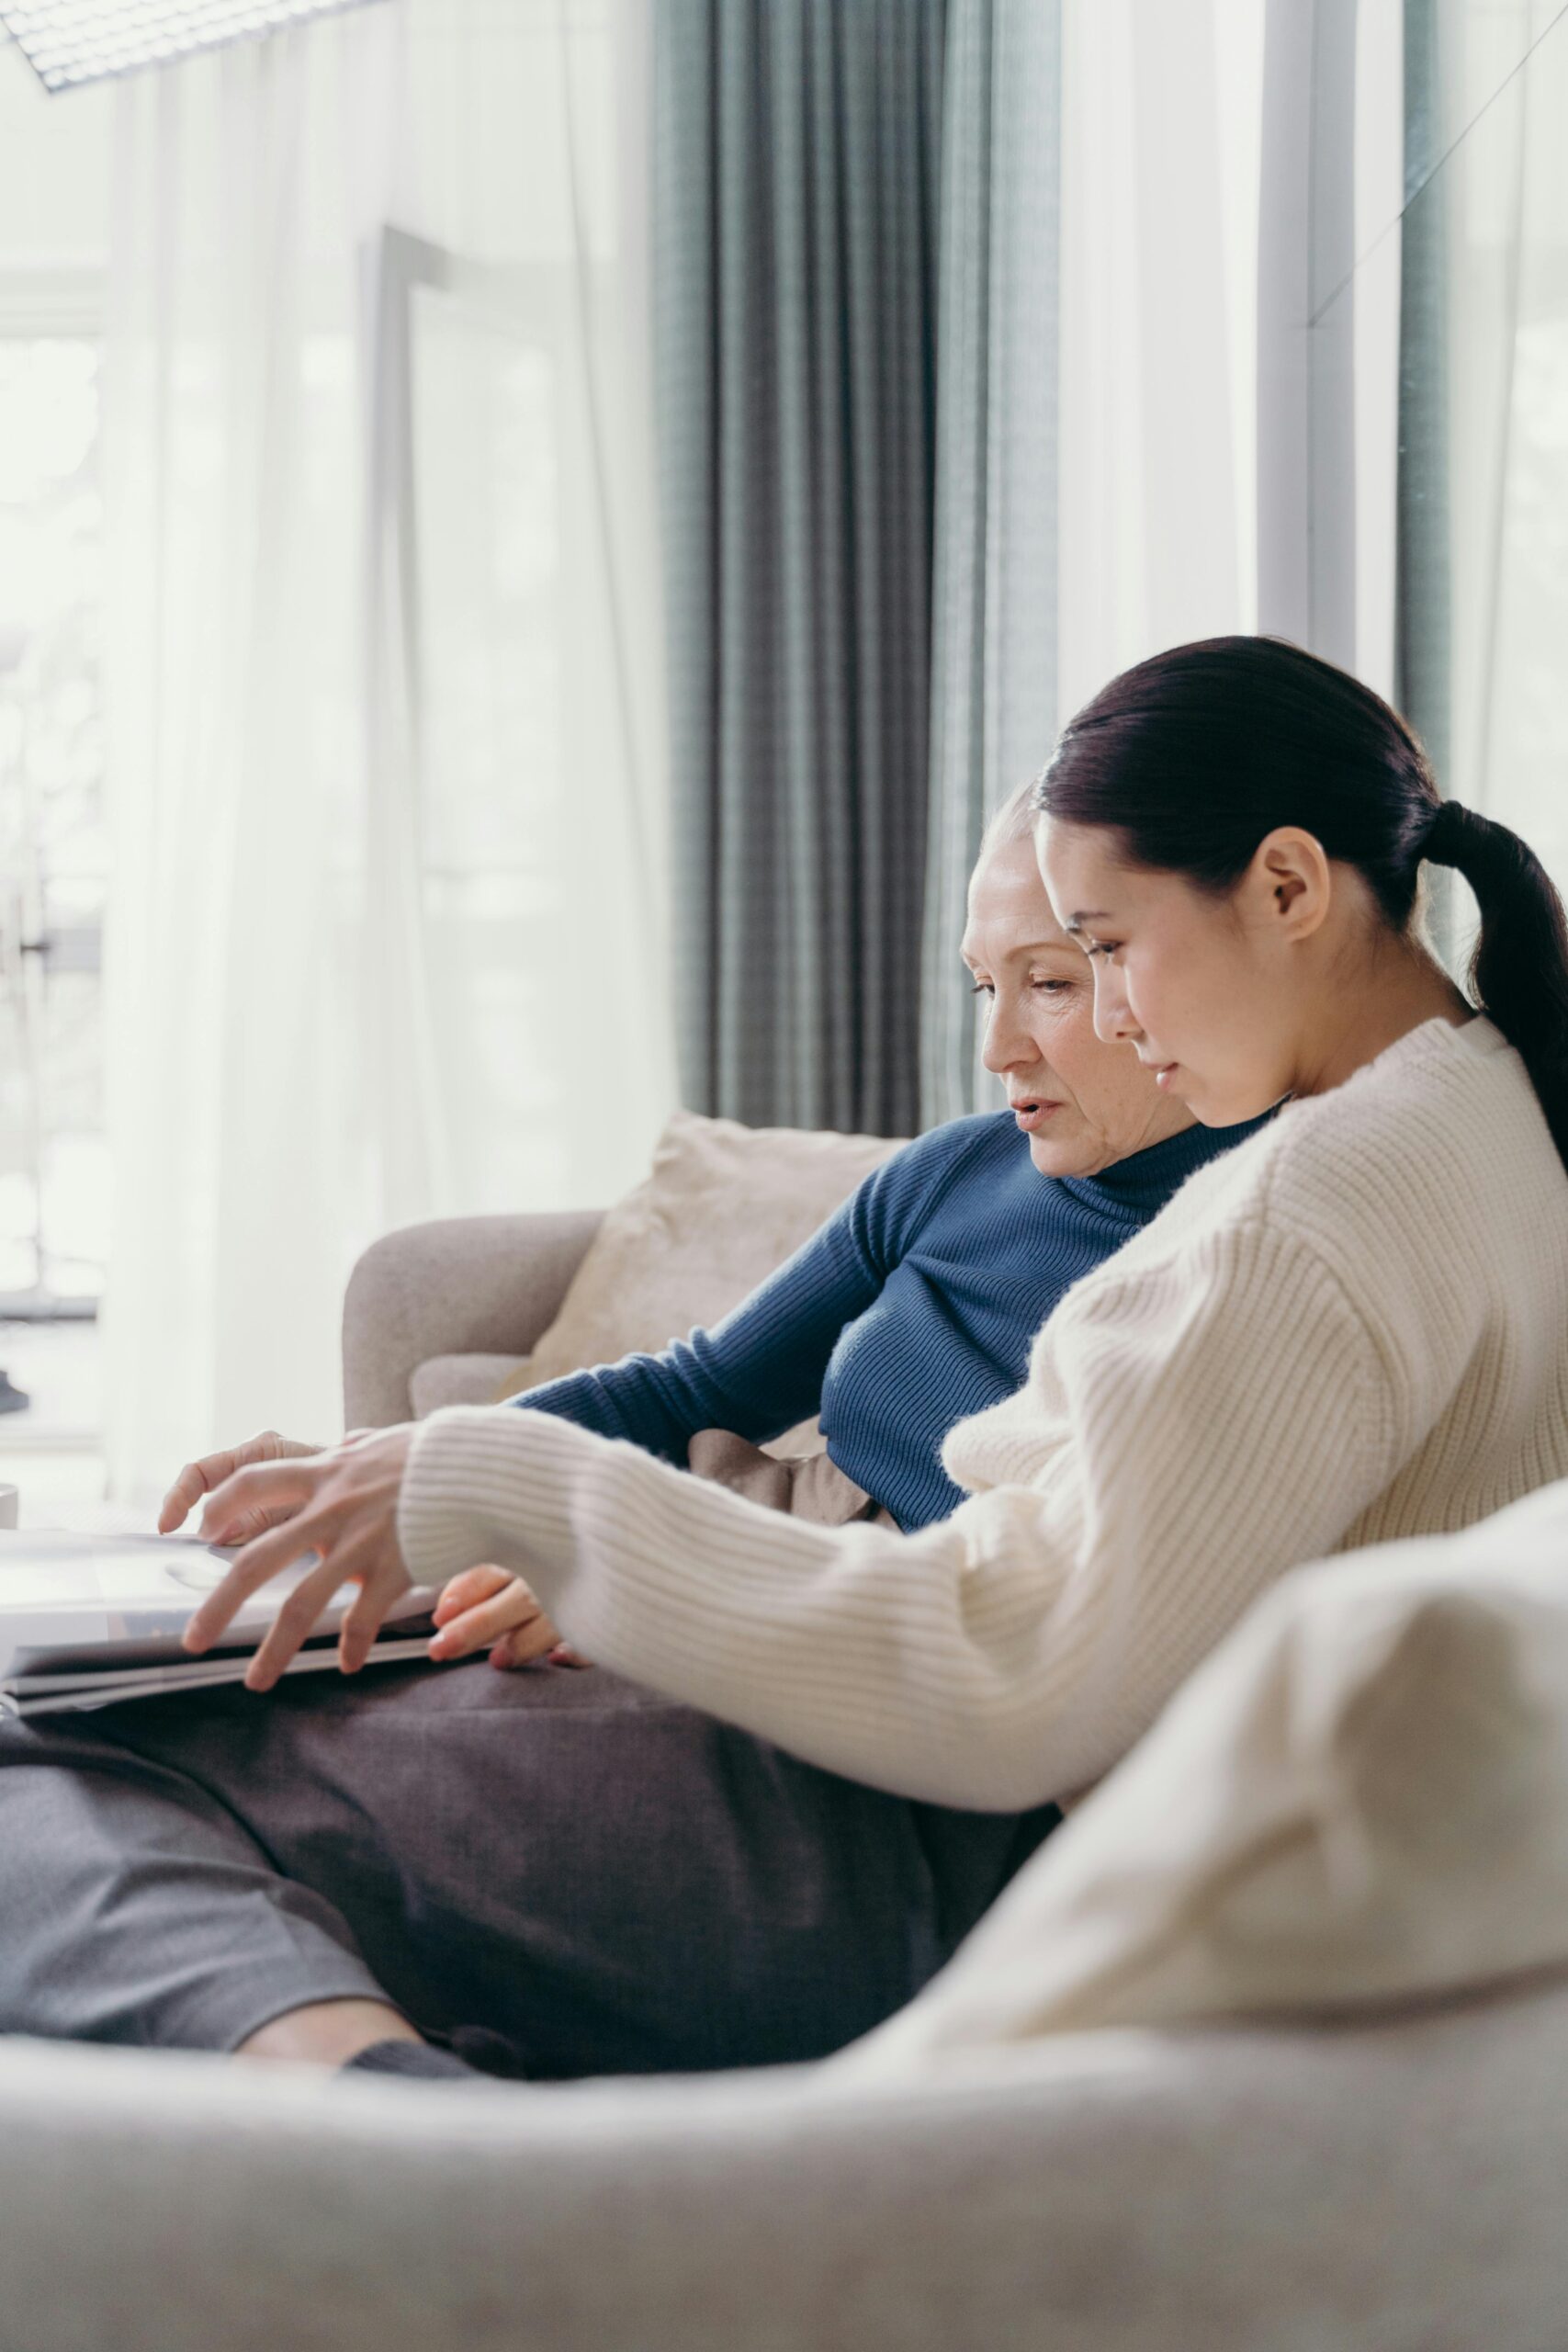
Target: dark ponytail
1518	968
1192	756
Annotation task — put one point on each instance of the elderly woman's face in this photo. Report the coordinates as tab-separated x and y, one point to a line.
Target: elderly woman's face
1083	1105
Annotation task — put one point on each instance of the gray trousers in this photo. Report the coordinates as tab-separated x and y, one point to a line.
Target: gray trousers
554	1872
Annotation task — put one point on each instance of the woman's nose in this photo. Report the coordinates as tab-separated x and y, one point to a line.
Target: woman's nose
1005	1043
1113	1021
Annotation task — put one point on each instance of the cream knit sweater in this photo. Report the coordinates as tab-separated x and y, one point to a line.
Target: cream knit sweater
1352	1327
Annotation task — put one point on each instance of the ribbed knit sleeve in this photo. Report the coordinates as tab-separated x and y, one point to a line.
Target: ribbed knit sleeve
1185	1434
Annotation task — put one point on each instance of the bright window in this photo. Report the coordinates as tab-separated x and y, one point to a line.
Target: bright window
53	866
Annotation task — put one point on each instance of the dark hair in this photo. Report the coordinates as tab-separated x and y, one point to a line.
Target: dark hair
1192	756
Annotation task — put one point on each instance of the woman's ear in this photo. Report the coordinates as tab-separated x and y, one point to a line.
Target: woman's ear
1288	885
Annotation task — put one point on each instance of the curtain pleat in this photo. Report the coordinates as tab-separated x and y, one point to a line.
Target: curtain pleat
797	160
1422	624
994	612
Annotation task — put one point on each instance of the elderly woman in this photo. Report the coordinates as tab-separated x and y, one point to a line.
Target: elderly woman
916	1305
561	1873
1351	1328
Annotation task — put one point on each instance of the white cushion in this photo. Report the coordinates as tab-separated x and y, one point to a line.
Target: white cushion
1359	1800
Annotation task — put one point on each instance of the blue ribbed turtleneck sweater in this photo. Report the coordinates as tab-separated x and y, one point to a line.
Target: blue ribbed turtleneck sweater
914	1305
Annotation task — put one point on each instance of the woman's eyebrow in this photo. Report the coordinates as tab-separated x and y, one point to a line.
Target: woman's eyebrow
1085	915
1033	947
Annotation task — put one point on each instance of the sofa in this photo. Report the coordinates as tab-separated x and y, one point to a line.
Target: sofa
1390	2180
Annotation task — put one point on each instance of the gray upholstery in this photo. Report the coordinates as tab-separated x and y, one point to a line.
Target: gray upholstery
1118	2192
484	1286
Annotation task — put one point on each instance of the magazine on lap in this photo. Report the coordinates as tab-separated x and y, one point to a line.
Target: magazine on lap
86	1621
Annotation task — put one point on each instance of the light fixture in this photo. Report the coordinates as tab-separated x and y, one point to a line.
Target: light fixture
68	43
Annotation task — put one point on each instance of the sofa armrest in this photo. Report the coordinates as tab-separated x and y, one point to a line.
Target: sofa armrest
491	1284
1396	2187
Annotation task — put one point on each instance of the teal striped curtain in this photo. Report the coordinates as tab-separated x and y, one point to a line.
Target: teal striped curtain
994	618
1422	620
797	160
856	302
1422	590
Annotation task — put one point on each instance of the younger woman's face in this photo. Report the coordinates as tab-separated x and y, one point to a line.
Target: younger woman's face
1190	982
1083	1103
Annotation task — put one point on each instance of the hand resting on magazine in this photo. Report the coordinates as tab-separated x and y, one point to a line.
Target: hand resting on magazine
341	1503
483	1607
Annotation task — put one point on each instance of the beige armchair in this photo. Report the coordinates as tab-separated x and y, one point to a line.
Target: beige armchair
436	1313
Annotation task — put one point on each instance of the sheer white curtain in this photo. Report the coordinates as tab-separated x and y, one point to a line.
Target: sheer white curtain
1229	328
386	920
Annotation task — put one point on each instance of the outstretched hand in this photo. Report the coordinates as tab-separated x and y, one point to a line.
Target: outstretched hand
205	1478
340	1503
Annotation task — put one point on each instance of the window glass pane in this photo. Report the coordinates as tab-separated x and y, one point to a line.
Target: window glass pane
1495	216
492	598
53	1174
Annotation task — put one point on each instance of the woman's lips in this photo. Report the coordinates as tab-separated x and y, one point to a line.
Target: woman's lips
1030	1116
1163	1076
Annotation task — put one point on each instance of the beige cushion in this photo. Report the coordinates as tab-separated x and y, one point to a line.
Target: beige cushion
470	1379
723	1205
1360	1799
